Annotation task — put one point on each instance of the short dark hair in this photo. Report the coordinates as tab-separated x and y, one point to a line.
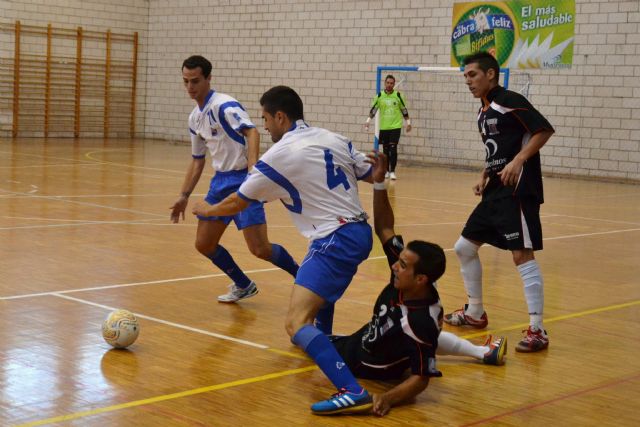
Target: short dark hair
389	76
195	61
431	259
485	61
285	99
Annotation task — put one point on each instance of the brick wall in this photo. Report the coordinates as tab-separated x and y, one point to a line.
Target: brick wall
328	51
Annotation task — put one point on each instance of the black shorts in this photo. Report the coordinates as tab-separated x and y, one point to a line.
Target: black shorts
391	136
349	349
509	223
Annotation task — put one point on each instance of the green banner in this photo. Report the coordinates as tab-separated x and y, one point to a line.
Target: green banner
519	33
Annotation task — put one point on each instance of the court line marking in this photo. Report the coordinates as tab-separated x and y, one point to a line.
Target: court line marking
78	224
168	323
180	279
559	398
95	196
171	396
295	372
75	220
45	165
598	219
89	155
125	285
554	319
58	199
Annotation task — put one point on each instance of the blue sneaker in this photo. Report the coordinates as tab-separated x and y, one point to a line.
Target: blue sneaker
344	402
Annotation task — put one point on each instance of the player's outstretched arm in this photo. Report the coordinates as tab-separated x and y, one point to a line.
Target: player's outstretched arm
232	205
383	219
406	390
190	181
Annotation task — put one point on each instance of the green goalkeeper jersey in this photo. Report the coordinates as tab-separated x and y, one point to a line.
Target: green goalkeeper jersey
392	109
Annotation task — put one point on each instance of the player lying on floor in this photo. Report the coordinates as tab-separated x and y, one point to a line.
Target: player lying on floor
405	329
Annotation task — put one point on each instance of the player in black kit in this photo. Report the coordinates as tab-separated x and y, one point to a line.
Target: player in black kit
405	330
508	216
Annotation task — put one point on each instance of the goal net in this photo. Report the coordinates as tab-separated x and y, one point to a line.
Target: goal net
443	113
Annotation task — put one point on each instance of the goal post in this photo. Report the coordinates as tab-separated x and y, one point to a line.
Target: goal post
442	112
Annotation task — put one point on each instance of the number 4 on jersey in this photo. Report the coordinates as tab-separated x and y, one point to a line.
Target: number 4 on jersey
335	175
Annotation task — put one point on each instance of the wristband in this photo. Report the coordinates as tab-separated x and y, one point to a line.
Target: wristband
408	122
379	186
368	120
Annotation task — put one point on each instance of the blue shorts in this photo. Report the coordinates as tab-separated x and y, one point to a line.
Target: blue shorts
333	260
222	185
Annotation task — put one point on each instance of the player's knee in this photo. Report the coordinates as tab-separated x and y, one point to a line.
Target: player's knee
261	251
465	248
204	247
522	256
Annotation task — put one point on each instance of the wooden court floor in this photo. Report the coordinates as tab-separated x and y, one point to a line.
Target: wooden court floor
84	228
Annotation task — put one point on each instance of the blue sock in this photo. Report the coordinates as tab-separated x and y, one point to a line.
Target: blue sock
222	259
319	348
281	258
324	318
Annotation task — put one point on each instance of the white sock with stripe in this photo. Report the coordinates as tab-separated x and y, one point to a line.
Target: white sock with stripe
533	291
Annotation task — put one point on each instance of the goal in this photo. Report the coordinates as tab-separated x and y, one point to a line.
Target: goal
443	113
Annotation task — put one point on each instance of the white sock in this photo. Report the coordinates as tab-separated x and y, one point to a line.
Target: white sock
471	270
453	345
533	291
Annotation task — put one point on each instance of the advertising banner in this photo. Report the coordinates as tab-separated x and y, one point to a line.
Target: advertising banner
518	33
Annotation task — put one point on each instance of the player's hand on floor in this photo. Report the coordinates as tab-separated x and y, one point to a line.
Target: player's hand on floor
177	209
381	405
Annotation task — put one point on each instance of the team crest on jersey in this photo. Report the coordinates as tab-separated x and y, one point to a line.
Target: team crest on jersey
490	126
493	126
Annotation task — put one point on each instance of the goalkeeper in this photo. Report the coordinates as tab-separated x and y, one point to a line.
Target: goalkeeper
392	109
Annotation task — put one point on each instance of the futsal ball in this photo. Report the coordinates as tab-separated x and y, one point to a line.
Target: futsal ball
120	329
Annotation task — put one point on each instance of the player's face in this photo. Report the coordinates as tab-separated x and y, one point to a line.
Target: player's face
479	82
274	125
389	84
196	85
404	278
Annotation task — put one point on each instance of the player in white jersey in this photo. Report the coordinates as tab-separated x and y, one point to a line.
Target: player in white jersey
221	124
314	172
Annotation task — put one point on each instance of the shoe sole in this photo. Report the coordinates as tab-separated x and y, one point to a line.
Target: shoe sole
522	349
471	325
351	410
239	299
501	352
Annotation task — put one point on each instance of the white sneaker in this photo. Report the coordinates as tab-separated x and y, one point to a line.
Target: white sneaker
393	176
386	175
237	293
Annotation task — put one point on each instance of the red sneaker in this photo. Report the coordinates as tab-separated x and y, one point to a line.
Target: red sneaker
534	340
459	318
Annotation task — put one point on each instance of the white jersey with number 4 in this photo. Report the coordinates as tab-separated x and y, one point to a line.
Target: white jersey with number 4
314	172
218	126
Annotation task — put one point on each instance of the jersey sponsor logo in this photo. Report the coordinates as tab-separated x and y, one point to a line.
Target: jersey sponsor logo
494	163
491	147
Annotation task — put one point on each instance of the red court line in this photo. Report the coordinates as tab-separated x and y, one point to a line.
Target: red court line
556	399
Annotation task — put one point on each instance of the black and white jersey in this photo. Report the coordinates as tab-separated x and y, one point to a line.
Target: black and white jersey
506	125
401	334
